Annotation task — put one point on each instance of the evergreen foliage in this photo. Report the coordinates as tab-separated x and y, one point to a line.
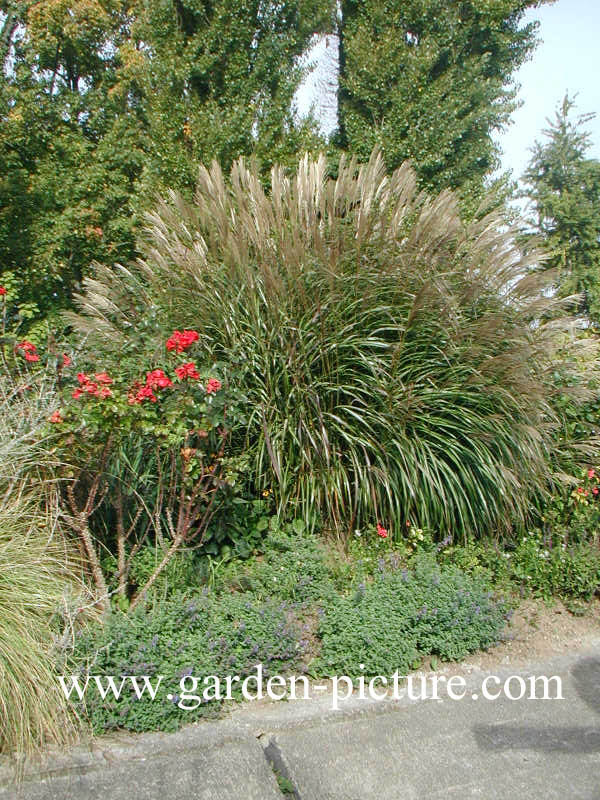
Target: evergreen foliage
564	186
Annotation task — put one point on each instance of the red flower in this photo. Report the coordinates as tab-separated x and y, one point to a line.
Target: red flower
145	393
2	291
213	386
66	361
89	386
29	351
381	531
580	489
56	417
158	380
591	473
181	340
595	490
187	371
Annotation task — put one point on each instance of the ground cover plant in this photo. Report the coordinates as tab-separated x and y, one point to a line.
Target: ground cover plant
404	614
293	612
305	607
204	635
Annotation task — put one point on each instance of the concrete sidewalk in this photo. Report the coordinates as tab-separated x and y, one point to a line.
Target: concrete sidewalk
472	748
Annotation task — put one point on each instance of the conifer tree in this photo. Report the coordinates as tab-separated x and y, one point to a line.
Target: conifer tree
563	184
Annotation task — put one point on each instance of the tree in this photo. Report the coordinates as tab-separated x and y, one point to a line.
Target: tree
103	105
564	187
431	81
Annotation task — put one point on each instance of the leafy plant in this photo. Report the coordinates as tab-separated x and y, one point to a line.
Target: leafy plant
171	428
388	624
295	567
553	566
396	362
207	635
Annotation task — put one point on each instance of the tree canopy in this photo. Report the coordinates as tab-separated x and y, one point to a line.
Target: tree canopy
431	81
105	105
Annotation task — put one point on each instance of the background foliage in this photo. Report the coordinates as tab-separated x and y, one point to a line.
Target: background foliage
105	105
563	185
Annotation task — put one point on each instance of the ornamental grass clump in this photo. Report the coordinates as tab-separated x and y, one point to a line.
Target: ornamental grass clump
395	361
39	581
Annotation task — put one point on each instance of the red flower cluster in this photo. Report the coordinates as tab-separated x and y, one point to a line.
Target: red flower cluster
2	291
381	531
66	360
213	386
138	395
154	380
29	351
187	371
158	380
181	340
56	417
97	386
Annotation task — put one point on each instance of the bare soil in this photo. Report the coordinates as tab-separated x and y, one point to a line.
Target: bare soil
537	631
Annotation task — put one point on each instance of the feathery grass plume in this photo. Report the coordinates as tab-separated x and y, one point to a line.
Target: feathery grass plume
38	571
397	361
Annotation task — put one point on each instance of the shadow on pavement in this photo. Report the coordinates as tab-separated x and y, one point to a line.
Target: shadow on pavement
560	739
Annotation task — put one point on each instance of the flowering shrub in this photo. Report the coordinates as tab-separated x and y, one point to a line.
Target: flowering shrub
149	452
573	509
181	340
587	494
29	351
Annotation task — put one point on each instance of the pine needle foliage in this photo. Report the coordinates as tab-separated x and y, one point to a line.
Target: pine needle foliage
396	361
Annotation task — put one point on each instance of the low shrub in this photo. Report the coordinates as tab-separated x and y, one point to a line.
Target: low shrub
401	615
554	566
542	564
